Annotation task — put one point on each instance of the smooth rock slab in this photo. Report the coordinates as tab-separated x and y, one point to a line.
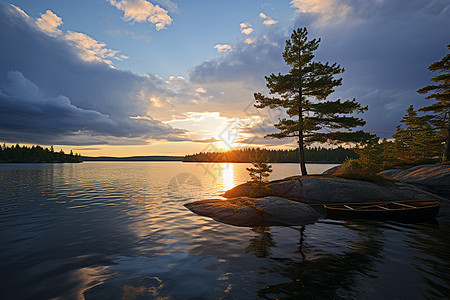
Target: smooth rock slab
323	190
245	211
434	178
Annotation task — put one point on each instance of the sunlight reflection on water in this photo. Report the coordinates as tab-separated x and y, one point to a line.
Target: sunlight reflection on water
228	176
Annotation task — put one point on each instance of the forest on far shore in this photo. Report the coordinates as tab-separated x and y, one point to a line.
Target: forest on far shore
24	154
316	154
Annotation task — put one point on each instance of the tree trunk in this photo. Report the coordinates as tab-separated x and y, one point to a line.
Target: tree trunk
446	155
301	146
302	155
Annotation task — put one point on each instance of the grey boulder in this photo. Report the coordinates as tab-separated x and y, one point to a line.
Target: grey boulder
245	211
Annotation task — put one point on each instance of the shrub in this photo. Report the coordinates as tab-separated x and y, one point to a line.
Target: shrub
361	169
259	191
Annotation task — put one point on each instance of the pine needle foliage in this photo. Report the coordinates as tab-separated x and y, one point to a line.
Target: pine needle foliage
418	138
261	168
440	92
303	92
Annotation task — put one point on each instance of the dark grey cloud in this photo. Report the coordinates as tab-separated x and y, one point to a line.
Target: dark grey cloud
26	115
51	95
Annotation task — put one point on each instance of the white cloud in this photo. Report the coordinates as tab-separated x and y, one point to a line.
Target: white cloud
87	48
143	11
267	20
49	22
55	97
223	47
246	28
90	49
250	41
335	11
20	11
201	90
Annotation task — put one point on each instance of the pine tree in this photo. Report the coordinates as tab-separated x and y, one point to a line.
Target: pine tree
303	93
418	139
261	167
441	93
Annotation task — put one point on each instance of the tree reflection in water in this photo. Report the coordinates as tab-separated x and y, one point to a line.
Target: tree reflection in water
434	261
329	277
260	244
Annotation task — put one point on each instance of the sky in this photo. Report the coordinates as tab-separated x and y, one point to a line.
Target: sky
172	77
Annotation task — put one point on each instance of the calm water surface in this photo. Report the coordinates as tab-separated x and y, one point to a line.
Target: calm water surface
119	230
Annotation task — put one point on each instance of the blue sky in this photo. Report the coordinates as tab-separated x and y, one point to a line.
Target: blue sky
142	77
196	27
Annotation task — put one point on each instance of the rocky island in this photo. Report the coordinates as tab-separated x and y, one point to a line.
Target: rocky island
299	200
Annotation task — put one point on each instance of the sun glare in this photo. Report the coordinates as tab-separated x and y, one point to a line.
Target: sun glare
228	176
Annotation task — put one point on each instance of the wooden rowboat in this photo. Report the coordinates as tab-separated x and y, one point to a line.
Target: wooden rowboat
398	210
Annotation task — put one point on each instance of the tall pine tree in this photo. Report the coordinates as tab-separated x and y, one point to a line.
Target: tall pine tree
418	138
440	93
303	93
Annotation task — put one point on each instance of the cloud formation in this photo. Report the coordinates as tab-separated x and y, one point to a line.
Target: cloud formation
49	95
27	115
223	47
246	28
143	11
378	46
249	41
49	76
248	63
326	11
90	49
267	20
49	22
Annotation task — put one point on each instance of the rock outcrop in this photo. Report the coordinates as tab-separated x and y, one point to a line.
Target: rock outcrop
244	211
321	190
298	200
433	178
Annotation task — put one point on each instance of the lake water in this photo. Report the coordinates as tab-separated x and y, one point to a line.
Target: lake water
119	230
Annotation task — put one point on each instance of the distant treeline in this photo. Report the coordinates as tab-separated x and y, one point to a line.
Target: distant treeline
316	154
133	158
24	154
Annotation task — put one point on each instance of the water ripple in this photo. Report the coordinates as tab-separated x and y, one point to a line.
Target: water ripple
120	230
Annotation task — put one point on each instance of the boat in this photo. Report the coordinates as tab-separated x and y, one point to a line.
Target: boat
412	210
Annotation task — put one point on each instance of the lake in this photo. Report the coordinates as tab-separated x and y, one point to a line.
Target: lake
119	230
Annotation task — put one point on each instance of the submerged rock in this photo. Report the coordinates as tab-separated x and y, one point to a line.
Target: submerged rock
245	211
